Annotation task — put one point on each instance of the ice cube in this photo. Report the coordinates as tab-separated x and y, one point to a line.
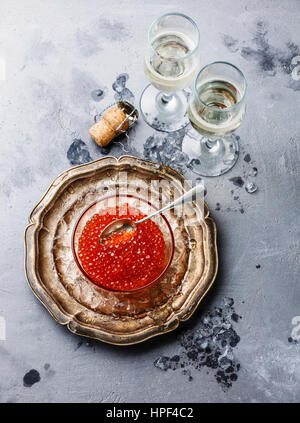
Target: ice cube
251	187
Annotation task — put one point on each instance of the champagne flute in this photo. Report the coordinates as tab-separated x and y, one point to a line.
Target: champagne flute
216	109
171	63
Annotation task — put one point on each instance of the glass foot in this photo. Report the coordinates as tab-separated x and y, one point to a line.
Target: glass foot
212	157
167	113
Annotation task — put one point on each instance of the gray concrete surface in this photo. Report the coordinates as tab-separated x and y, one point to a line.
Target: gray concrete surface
57	54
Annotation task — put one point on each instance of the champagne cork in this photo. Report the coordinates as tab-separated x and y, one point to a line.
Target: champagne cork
106	129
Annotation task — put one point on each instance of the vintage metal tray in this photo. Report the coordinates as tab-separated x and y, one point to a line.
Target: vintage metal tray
87	310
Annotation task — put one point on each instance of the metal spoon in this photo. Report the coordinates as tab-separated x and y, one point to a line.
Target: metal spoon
126	224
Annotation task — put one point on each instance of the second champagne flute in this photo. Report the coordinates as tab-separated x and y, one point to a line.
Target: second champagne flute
216	110
171	63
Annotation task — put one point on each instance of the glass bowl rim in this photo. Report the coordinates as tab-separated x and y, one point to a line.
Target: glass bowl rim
83	272
179	59
213	107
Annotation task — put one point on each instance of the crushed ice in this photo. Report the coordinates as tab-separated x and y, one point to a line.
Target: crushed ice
210	345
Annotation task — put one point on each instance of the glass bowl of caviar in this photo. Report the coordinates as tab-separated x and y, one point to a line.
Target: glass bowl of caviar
127	262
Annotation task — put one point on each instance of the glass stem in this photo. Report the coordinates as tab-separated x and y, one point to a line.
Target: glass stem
210	143
166	98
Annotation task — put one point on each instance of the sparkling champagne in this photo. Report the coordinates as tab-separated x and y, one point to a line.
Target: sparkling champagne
166	65
215	115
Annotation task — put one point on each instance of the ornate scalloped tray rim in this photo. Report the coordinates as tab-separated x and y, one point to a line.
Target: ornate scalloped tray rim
61	316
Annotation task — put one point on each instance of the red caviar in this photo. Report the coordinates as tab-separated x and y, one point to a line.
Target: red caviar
126	261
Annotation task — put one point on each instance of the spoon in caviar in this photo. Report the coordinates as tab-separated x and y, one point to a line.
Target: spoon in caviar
127	225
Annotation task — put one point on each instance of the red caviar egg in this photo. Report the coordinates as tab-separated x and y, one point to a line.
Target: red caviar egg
126	260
